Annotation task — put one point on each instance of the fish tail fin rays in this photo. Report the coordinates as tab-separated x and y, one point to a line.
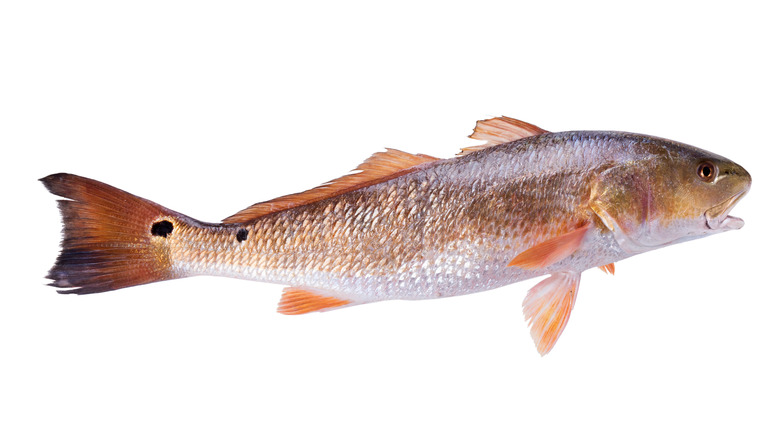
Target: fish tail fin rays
547	308
111	239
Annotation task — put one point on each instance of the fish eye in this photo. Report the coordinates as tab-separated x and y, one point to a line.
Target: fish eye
707	171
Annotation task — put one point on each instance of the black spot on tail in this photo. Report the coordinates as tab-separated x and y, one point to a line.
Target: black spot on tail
106	242
242	234
162	228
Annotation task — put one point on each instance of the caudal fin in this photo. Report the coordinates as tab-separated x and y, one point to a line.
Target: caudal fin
111	239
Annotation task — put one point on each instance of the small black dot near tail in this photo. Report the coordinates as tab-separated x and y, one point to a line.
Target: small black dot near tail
242	234
110	237
162	228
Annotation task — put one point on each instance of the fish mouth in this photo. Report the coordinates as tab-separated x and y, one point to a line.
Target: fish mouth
718	217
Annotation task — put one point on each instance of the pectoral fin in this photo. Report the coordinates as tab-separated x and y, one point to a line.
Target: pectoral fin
550	251
547	308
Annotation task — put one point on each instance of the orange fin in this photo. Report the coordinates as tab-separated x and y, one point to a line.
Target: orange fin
550	251
378	168
547	308
297	301
608	269
500	130
111	239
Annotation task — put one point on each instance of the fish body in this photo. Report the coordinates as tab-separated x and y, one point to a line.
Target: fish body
449	228
528	203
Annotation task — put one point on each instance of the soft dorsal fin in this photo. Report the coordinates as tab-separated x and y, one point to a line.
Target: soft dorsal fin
547	308
551	251
499	130
297	301
379	167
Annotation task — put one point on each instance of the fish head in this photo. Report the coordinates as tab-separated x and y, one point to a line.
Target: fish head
674	193
718	186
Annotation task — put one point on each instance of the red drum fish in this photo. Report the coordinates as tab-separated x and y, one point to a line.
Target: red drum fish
527	203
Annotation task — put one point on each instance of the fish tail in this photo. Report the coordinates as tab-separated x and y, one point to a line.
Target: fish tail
111	239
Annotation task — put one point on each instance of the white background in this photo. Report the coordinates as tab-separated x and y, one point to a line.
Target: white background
209	107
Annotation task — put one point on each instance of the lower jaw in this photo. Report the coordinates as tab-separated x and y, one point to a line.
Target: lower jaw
727	223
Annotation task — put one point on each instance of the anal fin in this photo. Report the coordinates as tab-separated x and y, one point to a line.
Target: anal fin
550	251
547	308
297	301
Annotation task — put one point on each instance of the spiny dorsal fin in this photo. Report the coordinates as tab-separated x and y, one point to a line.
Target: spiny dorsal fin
499	130
547	308
379	167
297	301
